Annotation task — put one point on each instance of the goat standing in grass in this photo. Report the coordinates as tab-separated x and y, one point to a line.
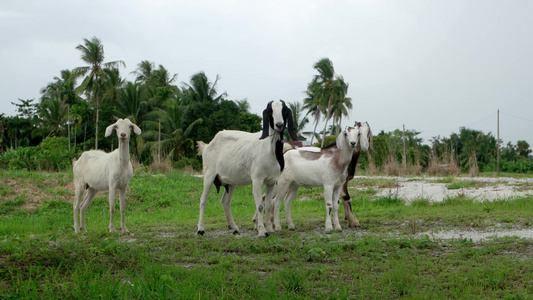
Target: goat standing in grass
325	167
236	158
99	171
365	143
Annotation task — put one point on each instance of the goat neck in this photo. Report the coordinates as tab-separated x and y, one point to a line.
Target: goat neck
124	151
276	146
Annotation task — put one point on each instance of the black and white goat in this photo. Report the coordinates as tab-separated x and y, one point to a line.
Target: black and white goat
236	158
314	168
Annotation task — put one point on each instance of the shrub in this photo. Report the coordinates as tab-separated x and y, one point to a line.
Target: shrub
187	161
54	154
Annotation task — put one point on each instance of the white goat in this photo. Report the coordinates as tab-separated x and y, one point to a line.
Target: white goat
98	171
236	158
308	168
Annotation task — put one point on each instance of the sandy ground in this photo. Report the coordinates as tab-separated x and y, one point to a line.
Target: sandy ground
413	188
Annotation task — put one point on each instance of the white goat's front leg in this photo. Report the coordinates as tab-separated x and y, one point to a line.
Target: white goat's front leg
111	208
208	181
289	196
122	199
258	198
89	196
76	208
226	206
336	204
269	192
328	199
276	203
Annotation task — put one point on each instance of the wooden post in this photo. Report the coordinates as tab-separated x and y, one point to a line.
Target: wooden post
498	144
404	154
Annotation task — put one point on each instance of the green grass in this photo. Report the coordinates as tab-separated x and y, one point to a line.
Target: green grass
42	258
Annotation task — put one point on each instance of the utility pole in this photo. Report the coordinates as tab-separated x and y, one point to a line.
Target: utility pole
404	154
498	144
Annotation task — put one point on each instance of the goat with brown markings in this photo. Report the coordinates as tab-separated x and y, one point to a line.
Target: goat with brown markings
366	142
326	168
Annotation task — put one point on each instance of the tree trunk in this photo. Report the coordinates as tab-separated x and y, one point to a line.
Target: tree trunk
314	132
97	117
324	132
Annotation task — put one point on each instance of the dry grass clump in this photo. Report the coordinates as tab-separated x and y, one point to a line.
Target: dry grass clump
449	168
163	166
392	168
411	170
473	170
372	169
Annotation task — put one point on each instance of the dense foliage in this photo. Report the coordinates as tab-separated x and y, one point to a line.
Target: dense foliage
77	106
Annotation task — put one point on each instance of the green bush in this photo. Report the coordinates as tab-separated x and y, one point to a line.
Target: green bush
186	161
54	154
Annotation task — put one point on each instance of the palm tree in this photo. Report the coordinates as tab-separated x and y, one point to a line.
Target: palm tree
327	91
243	105
111	86
201	90
52	112
174	131
341	103
92	53
299	120
313	105
144	72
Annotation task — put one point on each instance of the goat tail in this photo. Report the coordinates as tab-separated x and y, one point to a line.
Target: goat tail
201	147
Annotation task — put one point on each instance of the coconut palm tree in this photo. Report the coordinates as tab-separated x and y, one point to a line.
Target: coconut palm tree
200	90
111	86
92	53
144	72
299	119
173	137
313	105
341	104
52	112
243	105
327	90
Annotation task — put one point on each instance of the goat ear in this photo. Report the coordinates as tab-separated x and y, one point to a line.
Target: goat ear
267	119
109	130
136	129
287	115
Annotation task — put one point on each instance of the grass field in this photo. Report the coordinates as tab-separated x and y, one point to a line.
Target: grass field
387	257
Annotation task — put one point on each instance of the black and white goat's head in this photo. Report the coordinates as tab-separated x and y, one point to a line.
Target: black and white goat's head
276	117
349	137
366	140
123	128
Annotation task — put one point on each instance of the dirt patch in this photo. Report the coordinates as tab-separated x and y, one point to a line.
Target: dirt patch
415	188
33	192
479	234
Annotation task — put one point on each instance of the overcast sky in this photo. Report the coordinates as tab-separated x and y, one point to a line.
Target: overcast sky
434	66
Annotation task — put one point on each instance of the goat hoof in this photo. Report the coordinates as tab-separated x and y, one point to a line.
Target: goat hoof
236	232
200	232
292	229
